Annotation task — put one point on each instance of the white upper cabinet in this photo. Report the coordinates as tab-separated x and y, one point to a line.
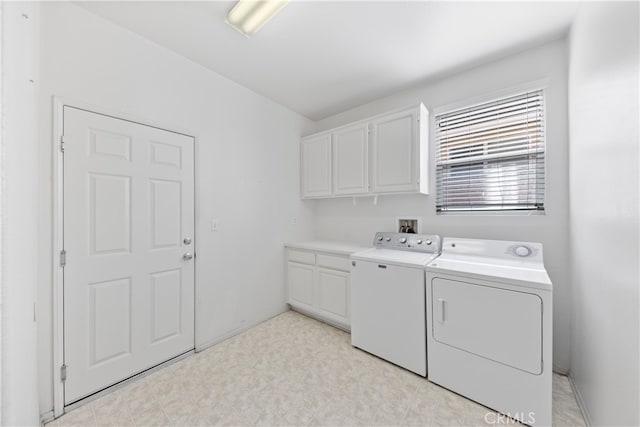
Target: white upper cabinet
350	160
385	154
397	152
315	166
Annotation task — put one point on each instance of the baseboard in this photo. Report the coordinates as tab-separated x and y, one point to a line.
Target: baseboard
557	370
45	417
315	316
232	333
580	400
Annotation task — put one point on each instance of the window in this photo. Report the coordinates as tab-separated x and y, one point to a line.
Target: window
490	157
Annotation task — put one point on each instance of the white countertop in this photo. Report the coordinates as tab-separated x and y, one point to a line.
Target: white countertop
342	248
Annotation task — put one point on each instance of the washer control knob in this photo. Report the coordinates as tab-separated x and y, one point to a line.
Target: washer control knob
523	251
402	240
380	238
419	241
388	239
429	242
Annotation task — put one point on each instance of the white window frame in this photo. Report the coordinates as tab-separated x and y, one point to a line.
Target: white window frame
541	84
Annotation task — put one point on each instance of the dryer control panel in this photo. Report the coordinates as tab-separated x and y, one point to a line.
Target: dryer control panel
430	243
505	251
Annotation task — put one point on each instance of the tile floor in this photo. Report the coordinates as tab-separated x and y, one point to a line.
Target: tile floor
295	371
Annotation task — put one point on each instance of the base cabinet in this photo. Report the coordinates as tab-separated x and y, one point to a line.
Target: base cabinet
301	278
318	285
333	292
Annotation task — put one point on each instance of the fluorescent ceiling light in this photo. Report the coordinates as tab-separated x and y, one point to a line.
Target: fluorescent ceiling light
248	16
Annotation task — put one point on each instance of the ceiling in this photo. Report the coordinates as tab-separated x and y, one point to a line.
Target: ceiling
319	58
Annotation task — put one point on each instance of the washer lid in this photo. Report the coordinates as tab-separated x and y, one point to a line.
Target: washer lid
395	257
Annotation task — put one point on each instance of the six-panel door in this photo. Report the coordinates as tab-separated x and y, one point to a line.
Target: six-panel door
128	208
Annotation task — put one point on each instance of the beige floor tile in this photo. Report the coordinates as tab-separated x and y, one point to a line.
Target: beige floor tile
390	414
179	408
224	415
419	417
82	416
292	371
151	416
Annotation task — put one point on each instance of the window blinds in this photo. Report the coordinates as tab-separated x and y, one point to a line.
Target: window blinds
490	157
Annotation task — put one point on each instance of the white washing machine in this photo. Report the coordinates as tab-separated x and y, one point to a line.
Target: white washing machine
388	298
489	323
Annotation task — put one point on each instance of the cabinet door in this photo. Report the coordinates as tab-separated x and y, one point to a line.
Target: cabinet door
315	166
395	152
351	160
300	280
333	292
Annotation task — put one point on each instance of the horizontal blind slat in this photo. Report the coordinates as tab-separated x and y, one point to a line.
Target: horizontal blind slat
504	115
491	156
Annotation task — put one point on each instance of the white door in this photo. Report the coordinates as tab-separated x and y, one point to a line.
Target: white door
351	160
315	166
128	223
395	152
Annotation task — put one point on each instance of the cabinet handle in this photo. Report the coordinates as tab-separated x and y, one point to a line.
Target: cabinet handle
441	304
382	266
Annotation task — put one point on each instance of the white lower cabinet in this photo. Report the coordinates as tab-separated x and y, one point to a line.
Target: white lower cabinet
301	283
333	292
318	284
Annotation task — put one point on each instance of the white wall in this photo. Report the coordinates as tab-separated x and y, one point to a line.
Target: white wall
20	83
247	165
339	219
604	140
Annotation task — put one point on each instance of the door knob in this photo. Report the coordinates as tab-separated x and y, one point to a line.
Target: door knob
187	256
187	240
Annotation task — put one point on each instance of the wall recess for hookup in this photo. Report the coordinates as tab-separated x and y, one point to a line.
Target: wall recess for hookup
408	224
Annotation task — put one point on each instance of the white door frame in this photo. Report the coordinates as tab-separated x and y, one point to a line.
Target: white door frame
58	230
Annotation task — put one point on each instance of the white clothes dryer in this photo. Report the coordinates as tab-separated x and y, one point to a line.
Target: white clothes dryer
489	326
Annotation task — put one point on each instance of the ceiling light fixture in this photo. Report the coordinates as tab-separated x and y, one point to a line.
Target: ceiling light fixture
248	16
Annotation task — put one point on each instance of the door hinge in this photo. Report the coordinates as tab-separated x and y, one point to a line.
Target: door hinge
63	373
63	258
62	143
